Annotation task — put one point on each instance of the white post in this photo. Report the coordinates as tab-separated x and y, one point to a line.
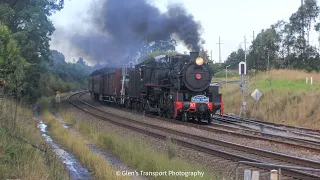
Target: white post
306	80
247	174
274	175
227	76
311	80
255	175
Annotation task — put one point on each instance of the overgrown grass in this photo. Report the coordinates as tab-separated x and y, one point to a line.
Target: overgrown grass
222	74
137	153
93	161
285	85
20	160
286	98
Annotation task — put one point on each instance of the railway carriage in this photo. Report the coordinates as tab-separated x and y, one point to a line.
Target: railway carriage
106	85
172	86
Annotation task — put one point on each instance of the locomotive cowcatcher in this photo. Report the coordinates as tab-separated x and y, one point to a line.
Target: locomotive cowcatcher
172	86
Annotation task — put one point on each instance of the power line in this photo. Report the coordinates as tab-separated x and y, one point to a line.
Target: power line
219	49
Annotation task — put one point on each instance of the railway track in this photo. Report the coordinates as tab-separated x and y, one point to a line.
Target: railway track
294	128
227	150
255	135
291	142
266	128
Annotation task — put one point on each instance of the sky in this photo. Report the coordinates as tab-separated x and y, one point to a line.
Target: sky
232	20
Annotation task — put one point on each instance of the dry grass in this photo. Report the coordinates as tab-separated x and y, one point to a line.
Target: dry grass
137	153
286	99
19	160
93	161
285	74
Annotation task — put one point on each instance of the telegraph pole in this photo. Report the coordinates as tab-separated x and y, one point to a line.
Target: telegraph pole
252	36
219	49
245	49
302	30
319	43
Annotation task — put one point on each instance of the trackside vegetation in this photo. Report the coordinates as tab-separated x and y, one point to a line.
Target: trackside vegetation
135	152
23	151
94	162
286	99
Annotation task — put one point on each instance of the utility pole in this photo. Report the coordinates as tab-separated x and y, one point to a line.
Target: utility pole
211	57
252	36
245	49
303	44
219	49
319	43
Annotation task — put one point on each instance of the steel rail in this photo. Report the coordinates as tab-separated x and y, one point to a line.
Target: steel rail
314	131
253	134
238	123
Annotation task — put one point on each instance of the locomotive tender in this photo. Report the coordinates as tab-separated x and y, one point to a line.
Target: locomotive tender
172	86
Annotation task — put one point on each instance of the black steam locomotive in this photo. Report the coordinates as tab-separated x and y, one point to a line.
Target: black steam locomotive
172	86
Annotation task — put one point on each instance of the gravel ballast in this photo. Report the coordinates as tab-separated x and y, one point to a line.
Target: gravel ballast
275	147
216	165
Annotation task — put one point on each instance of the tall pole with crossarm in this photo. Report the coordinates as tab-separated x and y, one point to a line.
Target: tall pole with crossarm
219	49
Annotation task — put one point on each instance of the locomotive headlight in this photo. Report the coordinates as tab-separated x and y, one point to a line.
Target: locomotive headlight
199	61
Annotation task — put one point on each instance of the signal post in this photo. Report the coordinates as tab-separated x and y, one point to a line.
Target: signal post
242	72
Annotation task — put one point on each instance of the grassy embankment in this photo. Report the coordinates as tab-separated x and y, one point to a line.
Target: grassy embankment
20	160
91	160
135	152
286	98
221	76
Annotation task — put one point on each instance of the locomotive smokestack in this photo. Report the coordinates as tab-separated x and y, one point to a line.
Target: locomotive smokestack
194	56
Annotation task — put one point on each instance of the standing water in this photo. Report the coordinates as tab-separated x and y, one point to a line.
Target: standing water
72	164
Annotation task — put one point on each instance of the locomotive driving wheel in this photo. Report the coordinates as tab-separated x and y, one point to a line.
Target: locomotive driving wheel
184	117
169	113
128	104
147	106
210	118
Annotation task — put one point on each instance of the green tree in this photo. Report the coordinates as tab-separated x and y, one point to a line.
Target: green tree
235	58
12	70
12	64
284	45
30	26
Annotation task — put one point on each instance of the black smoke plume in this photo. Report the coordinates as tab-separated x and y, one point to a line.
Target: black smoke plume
123	27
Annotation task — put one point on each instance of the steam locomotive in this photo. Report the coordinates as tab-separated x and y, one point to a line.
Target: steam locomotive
171	86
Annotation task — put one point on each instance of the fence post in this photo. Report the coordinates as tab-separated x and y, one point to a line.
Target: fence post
306	80
311	80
